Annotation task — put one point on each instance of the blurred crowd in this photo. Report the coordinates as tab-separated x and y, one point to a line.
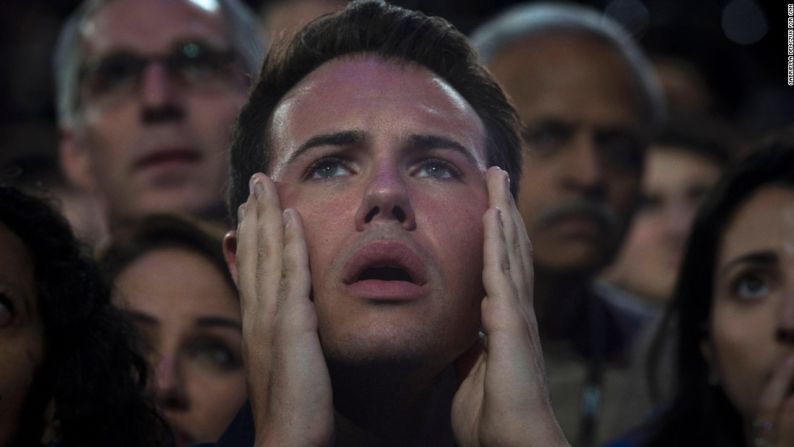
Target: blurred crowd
656	190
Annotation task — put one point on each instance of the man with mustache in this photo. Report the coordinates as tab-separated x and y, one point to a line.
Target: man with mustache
587	102
147	92
384	271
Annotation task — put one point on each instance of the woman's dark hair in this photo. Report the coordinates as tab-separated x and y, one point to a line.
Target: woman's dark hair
90	369
391	33
700	413
160	231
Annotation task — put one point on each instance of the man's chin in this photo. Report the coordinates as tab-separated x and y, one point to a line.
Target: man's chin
375	353
400	356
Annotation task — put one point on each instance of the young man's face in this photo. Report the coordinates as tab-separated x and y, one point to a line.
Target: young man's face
385	164
153	136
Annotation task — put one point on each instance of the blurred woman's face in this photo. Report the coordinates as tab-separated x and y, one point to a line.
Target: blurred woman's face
752	316
189	320
21	332
673	184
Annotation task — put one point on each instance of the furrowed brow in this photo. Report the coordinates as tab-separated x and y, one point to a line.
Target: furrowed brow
346	138
428	142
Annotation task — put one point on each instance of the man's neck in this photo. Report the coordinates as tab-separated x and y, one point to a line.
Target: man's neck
381	408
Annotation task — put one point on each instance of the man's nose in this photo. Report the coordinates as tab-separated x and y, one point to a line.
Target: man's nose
582	166
386	199
160	96
169	383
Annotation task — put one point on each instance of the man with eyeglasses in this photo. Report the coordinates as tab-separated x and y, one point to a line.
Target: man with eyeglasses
147	92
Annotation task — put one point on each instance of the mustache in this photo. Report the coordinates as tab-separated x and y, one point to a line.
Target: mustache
602	214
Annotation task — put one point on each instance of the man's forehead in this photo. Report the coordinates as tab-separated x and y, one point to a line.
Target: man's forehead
352	90
573	76
153	25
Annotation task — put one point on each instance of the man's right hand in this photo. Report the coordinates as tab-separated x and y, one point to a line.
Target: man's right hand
288	381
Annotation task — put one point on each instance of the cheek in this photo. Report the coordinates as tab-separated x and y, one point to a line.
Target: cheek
744	355
216	392
103	124
18	364
623	191
646	230
455	232
212	119
328	220
537	189
214	401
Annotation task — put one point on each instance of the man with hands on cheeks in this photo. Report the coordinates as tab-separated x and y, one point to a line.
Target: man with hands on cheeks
384	271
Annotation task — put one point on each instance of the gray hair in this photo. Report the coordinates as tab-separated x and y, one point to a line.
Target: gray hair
525	20
245	36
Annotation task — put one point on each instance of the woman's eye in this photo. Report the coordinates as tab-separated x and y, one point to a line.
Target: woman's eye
217	355
437	169
327	168
750	286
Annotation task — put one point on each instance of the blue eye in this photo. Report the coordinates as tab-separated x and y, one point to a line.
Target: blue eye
750	286
437	169
327	168
215	354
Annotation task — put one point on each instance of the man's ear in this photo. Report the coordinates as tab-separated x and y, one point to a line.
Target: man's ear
75	160
230	254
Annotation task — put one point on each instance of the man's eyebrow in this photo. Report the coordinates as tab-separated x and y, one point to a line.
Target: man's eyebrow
345	138
427	142
218	322
756	257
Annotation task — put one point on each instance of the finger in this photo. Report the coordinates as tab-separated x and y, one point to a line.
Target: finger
296	280
498	194
247	253
772	398
785	422
517	243
270	242
498	308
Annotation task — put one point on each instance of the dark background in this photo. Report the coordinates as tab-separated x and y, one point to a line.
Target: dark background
740	46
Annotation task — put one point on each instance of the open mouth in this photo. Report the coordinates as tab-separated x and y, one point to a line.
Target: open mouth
385	273
386	270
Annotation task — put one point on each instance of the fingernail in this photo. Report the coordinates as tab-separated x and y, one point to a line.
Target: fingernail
258	186
287	218
252	185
